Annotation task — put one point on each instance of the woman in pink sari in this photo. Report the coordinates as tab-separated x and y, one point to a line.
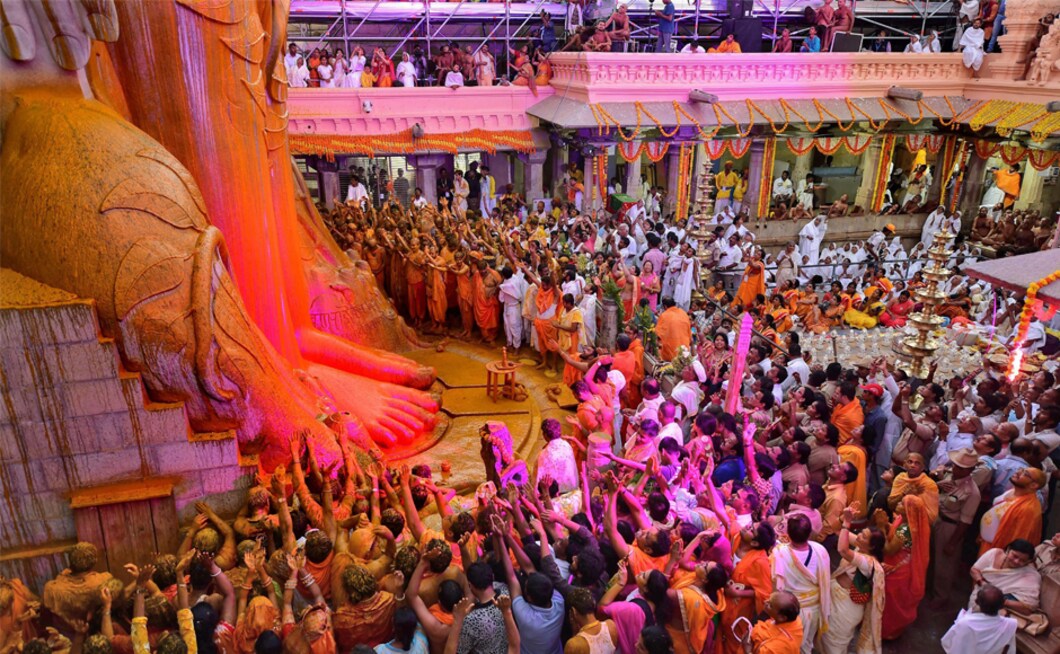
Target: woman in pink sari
649	284
905	563
896	312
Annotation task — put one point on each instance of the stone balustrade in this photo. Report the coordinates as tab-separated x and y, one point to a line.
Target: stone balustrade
438	110
620	77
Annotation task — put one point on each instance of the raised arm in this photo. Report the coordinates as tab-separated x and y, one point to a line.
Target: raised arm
620	546
279	494
412	516
435	629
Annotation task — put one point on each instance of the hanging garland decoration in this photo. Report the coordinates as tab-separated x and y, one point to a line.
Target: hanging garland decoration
1027	113
753	108
986	149
628	151
948	155
715	148
954	115
888	108
640	107
601	176
828	145
839	123
1013	154
1030	305
680	111
661	147
990	112
719	109
1042	159
880	185
930	142
1046	126
738	147
966	153
329	145
855	144
604	119
800	146
858	143
684	185
765	184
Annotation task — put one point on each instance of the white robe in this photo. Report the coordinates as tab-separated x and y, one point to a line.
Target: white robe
685	283
810	238
978	633
972	47
353	74
588	309
932	224
406	73
298	77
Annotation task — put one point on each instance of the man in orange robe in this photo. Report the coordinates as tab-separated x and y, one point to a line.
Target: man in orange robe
1009	182
782	632
674	329
485	283
847	414
547	304
1016	514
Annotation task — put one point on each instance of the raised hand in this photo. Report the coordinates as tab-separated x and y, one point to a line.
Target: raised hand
462	608
504	603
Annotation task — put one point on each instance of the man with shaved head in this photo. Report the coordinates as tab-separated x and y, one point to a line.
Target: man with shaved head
1016	514
982	631
782	632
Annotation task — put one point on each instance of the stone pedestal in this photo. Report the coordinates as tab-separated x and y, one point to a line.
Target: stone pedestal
426	167
754	179
870	159
534	175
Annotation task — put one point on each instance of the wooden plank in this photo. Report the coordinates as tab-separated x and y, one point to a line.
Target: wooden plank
90	530
125	491
166	525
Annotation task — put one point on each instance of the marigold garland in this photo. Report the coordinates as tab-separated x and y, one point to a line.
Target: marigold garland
680	111
629	155
765	184
948	155
677	118
1045	127
1026	113
880	185
966	153
329	145
990	112
719	109
1042	159
986	149
888	107
684	174
738	147
1030	303
601	177
661	149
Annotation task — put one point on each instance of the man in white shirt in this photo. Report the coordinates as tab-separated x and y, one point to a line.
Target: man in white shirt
783	189
796	365
983	632
670	427
693	47
418	201
290	60
356	191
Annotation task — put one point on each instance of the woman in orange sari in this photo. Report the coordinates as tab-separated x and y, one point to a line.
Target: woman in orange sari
754	282
754	572
905	563
544	69
383	69
896	312
437	302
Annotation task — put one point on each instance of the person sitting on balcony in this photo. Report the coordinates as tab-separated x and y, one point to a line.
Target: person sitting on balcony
933	42
783	44
728	46
524	70
693	47
783	188
619	32
840	207
598	41
914	45
824	19
443	62
406	72
844	18
880	43
812	42
972	46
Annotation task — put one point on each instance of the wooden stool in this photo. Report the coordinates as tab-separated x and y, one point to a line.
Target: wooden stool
500	377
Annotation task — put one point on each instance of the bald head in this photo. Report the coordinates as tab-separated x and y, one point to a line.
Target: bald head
1007	432
990	599
783	606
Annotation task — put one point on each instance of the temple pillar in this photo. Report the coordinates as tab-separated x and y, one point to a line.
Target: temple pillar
1030	188
426	167
534	175
633	176
559	167
972	186
870	159
1021	25
802	166
754	178
673	175
330	188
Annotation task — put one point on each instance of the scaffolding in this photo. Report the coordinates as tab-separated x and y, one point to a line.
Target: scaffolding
393	25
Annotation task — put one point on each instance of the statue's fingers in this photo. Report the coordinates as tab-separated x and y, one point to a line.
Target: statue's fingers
62	24
16	30
102	17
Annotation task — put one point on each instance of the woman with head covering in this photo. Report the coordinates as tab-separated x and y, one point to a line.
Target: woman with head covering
906	561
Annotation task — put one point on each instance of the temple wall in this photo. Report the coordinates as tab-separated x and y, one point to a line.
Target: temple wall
72	419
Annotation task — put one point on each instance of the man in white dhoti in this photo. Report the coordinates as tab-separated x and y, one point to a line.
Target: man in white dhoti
972	46
686	278
982	632
512	290
806	190
803	568
810	238
587	305
932	224
298	74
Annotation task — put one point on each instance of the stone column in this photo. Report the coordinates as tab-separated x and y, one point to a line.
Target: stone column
801	168
559	164
1021	24
329	187
972	186
754	177
534	175
673	174
426	167
633	176
870	159
1030	188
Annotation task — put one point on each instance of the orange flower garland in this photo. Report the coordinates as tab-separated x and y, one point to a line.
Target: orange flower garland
1029	307
1045	127
765	183
684	174
328	145
880	185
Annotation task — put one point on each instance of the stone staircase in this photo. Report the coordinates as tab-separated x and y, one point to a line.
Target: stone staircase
72	418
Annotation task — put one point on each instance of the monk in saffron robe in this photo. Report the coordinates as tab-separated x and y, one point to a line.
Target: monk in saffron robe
854	453
485	282
847	415
464	293
692	628
1009	183
754	572
914	482
782	632
547	304
908	550
1016	514
752	285
674	329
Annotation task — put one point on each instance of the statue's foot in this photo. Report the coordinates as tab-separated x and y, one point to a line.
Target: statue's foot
392	414
330	350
